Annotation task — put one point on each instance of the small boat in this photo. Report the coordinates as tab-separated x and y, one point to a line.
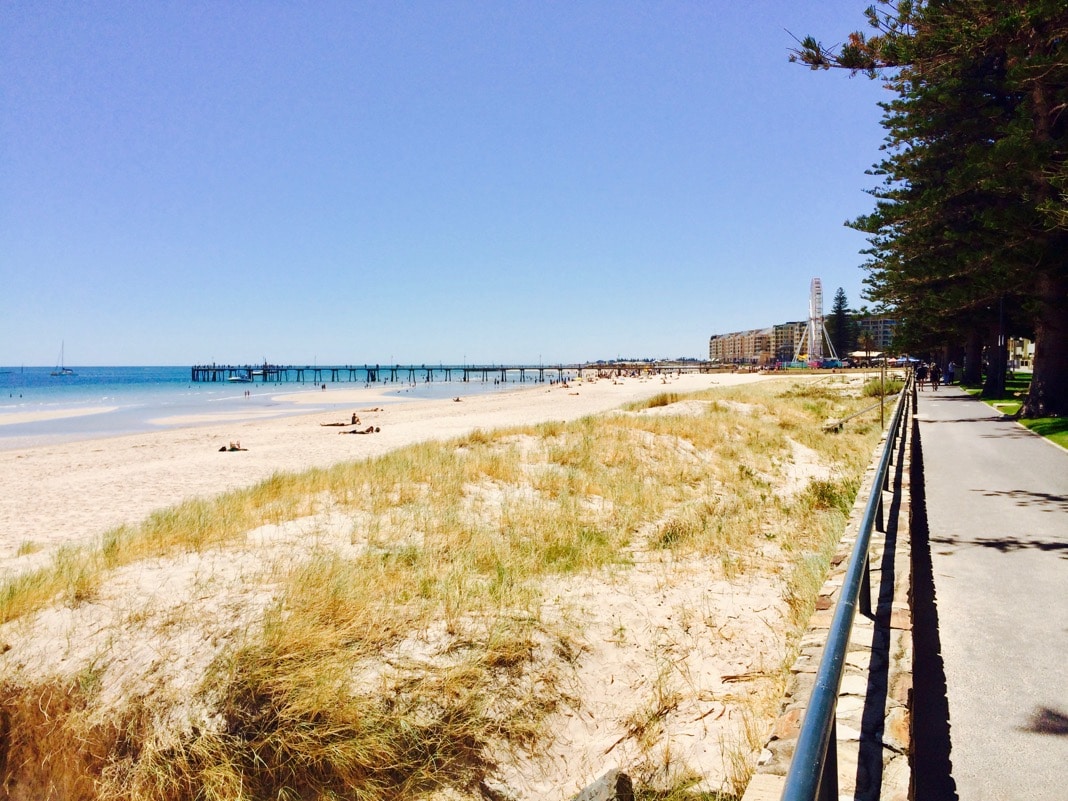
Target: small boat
239	379
61	368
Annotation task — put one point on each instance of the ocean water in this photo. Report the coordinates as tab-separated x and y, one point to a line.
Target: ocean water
136	398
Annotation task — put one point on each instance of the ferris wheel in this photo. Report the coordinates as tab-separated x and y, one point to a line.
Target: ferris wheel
811	345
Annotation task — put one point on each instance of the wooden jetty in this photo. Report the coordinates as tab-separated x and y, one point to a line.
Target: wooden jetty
425	373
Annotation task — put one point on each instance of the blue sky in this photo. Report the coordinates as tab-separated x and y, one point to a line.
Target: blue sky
338	182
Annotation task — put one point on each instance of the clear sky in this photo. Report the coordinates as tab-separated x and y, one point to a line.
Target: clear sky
438	181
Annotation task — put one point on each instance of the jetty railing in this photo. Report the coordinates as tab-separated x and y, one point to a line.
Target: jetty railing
813	772
426	373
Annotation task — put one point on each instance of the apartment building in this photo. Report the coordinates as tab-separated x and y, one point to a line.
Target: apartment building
881	330
779	343
785	339
741	347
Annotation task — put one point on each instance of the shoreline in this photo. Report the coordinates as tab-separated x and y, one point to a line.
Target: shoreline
79	423
68	493
21	418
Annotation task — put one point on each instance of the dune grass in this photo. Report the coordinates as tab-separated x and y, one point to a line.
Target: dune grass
412	662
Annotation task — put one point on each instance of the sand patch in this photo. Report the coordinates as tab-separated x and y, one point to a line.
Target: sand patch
16	418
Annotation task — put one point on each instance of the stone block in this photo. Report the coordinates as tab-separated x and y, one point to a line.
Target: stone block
897	776
854	685
896	734
787	725
860	659
901	620
821	619
846	734
850	707
901	688
764	787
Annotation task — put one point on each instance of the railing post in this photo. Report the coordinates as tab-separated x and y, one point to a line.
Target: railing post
829	779
865	589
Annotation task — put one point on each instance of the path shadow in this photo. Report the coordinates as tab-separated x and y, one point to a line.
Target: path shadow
1007	544
931	763
1057	503
1048	721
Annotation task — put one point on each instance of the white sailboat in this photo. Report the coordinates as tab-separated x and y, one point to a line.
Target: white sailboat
61	368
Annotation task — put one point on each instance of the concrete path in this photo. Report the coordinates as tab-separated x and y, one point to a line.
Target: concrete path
996	498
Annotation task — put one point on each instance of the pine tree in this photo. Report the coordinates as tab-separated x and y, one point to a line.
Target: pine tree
842	334
970	230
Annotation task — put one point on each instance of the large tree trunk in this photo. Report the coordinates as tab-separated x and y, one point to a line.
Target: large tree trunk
997	363
1048	396
973	359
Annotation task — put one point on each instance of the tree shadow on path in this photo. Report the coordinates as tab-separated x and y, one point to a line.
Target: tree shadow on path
1004	544
1048	721
1055	503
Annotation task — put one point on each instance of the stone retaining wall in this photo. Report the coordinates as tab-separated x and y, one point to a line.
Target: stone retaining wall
873	725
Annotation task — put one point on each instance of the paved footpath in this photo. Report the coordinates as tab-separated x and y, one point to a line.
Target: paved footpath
997	511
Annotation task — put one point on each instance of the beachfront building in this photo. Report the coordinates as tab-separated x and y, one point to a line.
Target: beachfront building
880	328
779	343
741	347
785	339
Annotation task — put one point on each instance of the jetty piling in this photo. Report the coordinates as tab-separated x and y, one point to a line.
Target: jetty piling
372	374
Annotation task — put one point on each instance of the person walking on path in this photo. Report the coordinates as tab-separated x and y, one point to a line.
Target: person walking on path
936	376
996	502
921	375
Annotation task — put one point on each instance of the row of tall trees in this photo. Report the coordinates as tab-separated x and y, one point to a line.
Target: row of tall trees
969	237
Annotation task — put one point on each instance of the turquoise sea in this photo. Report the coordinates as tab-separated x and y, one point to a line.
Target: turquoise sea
137	396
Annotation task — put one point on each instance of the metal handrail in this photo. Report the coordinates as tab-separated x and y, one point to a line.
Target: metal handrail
813	772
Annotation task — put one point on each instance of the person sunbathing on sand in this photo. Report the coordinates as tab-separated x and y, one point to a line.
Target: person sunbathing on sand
234	446
368	430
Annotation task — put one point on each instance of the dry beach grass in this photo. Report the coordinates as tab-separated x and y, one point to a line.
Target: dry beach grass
519	596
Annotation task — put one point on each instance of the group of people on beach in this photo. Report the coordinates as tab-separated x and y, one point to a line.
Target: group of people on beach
933	373
356	422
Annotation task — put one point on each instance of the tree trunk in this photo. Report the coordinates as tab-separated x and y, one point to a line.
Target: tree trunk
973	359
997	363
1048	396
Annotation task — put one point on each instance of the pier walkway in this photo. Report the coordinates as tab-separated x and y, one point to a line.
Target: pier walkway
413	373
991	679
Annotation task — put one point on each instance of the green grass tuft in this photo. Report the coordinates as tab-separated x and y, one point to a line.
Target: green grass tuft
1054	429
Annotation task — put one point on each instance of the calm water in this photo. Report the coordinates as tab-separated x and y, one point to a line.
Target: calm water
136	396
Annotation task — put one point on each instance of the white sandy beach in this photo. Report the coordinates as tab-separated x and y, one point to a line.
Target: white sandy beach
65	494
